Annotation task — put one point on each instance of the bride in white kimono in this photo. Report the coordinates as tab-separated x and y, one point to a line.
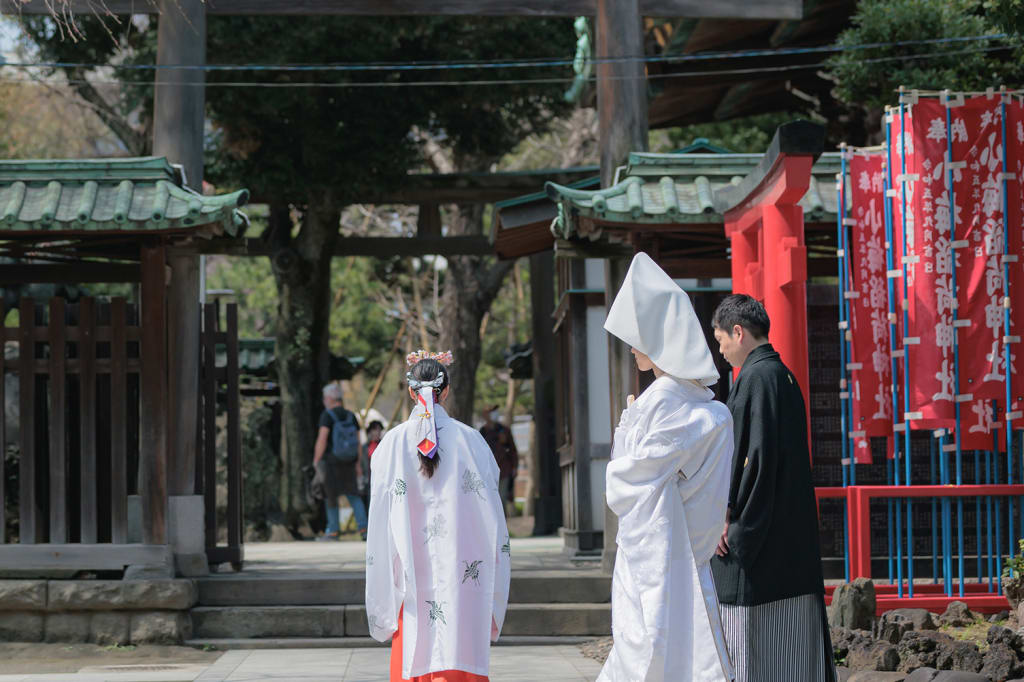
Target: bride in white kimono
438	557
668	482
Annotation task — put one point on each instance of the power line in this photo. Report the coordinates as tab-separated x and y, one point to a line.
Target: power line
501	64
523	81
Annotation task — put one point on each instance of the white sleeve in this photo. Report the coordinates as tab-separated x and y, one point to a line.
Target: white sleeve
385	578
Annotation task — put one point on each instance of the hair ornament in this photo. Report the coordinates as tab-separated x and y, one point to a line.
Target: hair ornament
445	358
416	384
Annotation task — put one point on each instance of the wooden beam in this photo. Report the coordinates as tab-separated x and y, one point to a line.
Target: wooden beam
621	86
81	556
381	247
739	9
73	273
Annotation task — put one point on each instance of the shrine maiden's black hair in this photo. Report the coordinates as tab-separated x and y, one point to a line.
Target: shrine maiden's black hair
743	310
428	369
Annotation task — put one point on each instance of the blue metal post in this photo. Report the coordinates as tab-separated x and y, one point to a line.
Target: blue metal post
935	519
844	325
956	344
1006	328
906	355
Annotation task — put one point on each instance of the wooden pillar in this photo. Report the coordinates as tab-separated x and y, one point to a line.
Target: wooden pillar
547	478
153	389
621	86
620	384
179	118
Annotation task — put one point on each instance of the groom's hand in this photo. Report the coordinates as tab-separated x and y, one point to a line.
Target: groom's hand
723	542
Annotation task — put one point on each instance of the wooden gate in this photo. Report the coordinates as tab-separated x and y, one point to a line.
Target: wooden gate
80	407
219	396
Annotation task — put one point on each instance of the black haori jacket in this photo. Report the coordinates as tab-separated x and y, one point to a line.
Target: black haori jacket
773	529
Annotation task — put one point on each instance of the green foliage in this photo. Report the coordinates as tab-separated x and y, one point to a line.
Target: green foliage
262	472
1015	564
750	134
508	323
860	81
1008	15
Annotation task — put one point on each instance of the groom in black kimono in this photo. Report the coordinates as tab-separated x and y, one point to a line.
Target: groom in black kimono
767	567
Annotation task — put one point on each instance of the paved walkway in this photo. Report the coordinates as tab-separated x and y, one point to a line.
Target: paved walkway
544	553
508	664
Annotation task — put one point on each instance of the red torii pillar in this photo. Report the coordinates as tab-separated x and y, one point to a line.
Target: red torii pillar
765	226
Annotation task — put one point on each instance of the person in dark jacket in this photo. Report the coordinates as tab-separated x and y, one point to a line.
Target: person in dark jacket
339	478
767	567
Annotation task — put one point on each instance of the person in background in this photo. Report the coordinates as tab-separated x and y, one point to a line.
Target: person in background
374	432
336	457
768	564
499	439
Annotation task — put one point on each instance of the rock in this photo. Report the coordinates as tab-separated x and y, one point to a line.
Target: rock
959	656
67	627
875	676
1013	588
176	595
957	615
999	617
843	640
21	626
160	627
110	628
842	674
874	655
1012	640
1001	662
922	649
893	624
853	605
28	595
922	675
959	676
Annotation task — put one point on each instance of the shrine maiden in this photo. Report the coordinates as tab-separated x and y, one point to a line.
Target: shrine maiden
668	483
438	553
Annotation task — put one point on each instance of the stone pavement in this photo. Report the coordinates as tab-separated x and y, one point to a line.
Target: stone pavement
508	664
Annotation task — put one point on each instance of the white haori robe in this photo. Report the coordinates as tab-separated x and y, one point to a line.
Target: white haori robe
439	546
668	482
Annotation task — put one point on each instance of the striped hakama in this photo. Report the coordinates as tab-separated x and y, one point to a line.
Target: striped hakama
780	640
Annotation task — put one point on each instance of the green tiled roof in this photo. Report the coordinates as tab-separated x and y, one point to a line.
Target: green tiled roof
130	195
679	189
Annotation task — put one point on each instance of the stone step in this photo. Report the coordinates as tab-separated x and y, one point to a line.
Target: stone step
259	622
528	587
357	642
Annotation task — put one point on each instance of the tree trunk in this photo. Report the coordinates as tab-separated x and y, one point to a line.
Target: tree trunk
302	272
470	288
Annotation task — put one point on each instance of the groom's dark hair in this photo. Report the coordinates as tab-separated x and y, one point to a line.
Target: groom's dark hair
742	310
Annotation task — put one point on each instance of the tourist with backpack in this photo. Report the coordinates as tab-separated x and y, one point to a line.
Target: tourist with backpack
336	457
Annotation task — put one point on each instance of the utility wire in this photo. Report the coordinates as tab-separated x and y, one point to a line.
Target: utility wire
523	81
501	64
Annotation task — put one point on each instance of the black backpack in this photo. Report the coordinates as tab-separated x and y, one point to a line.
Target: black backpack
344	437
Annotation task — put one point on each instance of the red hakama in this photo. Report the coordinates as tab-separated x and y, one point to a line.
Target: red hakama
440	676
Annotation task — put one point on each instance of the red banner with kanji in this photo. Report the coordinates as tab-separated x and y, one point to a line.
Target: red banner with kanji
870	358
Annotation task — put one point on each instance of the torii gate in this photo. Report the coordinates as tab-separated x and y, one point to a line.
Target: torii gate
179	118
765	225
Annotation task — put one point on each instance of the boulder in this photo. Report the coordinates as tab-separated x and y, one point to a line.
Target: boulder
1001	662
999	617
873	655
921	649
843	640
853	605
959	656
876	676
893	624
957	615
933	675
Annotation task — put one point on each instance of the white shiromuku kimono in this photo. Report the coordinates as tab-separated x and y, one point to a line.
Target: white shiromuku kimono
668	483
439	546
